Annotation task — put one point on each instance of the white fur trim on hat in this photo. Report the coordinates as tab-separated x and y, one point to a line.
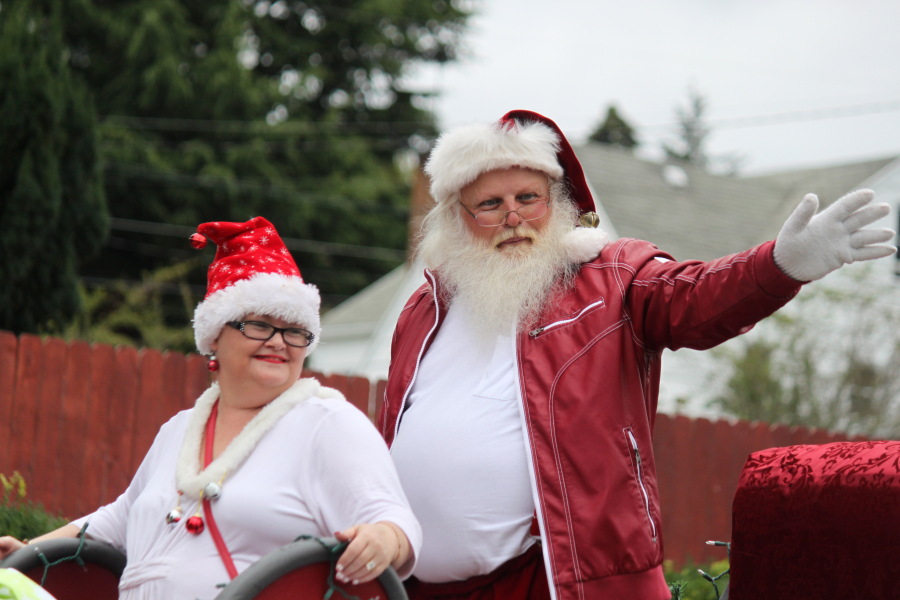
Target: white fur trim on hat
280	296
584	244
464	153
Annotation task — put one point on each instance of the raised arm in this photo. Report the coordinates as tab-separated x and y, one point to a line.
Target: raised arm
698	304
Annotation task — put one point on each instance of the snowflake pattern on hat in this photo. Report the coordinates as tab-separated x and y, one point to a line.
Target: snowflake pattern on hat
242	252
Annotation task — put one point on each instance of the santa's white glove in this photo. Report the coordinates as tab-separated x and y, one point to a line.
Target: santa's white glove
810	245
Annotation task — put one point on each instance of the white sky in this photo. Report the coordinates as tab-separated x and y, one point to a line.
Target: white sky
569	59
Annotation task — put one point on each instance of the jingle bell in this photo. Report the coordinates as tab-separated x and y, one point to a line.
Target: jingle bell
174	516
198	241
589	220
195	525
212	491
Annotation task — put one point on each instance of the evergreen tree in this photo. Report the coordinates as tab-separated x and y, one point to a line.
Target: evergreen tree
227	109
615	131
692	131
52	211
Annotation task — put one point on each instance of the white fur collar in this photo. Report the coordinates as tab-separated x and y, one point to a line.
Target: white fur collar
584	244
190	479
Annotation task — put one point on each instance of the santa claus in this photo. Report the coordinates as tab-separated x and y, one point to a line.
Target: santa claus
524	378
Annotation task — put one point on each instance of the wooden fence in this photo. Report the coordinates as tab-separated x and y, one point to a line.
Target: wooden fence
76	420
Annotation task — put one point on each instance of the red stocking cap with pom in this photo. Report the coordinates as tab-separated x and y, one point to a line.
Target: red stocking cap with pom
253	272
521	138
570	164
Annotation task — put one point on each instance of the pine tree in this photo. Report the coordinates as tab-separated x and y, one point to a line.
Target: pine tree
52	209
692	131
228	109
615	131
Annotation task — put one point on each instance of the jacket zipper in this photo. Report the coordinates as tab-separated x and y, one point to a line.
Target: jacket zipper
532	475
640	476
437	316
536	332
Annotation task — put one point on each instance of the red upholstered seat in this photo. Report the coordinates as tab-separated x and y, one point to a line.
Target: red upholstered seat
299	571
98	579
818	522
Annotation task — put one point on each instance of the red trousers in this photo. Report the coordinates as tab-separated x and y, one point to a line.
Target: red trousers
521	578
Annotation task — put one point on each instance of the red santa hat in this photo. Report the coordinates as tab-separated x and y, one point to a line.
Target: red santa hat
253	272
521	138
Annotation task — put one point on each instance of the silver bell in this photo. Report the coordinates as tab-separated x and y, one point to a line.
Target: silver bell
174	516
589	220
212	491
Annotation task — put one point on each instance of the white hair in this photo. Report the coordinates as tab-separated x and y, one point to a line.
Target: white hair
500	288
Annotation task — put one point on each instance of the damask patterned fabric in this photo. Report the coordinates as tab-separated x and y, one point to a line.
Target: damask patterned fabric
818	522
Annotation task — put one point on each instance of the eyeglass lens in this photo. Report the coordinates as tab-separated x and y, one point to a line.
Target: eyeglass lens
529	212
293	336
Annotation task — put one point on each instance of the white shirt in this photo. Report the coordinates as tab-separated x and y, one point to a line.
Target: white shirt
460	454
321	468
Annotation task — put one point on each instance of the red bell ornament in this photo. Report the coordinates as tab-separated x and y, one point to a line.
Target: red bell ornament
213	364
198	241
195	525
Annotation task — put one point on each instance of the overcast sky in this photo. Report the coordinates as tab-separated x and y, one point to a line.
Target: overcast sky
570	59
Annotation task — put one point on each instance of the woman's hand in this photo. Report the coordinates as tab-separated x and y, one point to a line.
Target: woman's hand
8	545
372	549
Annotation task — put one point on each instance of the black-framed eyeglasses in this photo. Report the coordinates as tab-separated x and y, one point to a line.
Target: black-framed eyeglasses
530	211
257	330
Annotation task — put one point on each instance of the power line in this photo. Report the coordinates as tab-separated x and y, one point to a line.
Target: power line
292	127
797	116
310	246
305	146
175	289
226	184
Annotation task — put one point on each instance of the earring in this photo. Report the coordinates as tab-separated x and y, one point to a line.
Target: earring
213	364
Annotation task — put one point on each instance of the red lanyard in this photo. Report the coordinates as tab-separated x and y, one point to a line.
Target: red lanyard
207	507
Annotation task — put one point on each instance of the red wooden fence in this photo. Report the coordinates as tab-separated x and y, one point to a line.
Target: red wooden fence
76	420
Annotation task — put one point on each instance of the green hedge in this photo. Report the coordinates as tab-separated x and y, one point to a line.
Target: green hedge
19	517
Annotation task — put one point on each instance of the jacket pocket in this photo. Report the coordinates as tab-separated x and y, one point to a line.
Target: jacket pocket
598	303
637	462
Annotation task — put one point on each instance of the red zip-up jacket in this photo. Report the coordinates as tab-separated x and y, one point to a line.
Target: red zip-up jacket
588	382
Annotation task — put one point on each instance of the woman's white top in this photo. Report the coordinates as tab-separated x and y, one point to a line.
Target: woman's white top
461	454
319	468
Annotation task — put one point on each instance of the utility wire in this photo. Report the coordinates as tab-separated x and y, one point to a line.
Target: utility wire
273	192
174	289
295	127
311	246
305	146
796	116
260	127
399	18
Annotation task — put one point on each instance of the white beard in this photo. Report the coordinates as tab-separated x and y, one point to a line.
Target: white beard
500	288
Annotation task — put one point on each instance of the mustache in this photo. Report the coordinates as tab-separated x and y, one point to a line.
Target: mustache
514	233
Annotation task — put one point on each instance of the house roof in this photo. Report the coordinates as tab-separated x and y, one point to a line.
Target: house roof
705	216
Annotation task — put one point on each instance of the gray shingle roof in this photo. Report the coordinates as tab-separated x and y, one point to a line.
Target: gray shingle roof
712	215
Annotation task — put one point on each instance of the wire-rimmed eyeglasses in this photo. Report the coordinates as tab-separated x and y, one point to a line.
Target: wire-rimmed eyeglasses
529	211
257	330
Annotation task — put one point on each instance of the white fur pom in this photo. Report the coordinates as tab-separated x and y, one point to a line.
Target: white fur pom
584	244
